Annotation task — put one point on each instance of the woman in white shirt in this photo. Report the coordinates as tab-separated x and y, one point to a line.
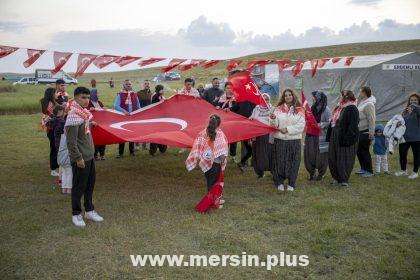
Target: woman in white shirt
289	119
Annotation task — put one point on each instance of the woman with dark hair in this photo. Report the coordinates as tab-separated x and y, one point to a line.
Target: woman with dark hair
289	119
157	97
411	115
48	102
262	145
315	152
343	135
210	150
227	102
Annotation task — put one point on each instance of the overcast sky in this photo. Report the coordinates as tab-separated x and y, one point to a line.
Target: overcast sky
196	29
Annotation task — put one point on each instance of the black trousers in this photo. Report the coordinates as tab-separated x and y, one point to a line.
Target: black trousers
122	146
53	150
363	151
100	149
212	175
248	151
232	149
154	147
83	184
403	149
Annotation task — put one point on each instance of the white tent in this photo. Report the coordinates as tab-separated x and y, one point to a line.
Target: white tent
392	77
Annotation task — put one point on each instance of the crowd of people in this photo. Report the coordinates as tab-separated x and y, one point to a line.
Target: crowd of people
344	133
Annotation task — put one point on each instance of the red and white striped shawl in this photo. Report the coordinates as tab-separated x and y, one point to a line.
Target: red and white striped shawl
205	151
77	115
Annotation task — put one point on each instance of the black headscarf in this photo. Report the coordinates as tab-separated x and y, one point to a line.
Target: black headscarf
319	105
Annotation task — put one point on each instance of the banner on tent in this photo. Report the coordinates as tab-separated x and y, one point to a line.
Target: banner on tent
400	66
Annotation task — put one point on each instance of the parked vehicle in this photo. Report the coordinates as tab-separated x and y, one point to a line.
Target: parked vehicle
26	81
45	76
169	76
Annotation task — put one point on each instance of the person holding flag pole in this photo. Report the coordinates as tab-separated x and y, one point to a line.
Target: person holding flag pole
247	96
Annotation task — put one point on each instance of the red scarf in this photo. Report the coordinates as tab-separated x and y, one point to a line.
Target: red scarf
77	115
337	110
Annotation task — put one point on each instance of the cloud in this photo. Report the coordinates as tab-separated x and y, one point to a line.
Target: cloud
387	30
204	33
365	2
11	26
204	39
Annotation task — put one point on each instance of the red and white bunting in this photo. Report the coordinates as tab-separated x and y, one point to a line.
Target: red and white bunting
60	58
33	56
172	64
253	63
297	68
349	60
283	64
124	60
101	61
193	63
149	61
233	64
6	50
335	59
322	62
83	62
211	63
314	66
104	60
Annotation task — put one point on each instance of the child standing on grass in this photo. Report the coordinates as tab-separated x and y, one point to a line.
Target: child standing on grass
63	159
210	150
57	122
379	150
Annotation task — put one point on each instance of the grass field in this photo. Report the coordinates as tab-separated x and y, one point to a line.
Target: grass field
370	231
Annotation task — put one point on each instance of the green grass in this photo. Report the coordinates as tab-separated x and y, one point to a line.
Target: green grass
370	231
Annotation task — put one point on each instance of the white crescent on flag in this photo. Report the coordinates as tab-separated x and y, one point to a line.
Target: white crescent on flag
183	124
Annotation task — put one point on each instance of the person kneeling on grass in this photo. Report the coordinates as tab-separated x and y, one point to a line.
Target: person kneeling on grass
81	150
210	149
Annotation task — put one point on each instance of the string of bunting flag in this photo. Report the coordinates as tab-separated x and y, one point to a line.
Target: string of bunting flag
182	64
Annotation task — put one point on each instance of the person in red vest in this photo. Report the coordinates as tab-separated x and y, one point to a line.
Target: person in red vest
126	102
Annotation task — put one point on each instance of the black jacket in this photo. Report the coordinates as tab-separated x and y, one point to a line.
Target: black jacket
348	125
244	108
212	95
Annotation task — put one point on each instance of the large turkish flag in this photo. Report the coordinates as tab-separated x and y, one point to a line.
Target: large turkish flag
174	122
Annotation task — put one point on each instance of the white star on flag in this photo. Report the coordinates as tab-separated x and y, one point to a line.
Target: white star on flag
248	86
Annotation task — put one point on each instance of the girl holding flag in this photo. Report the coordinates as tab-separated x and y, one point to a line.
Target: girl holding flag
210	151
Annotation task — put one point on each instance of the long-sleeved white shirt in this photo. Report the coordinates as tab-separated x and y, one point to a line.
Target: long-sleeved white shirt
286	118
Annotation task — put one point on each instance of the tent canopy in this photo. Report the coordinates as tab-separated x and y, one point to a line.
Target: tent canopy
392	78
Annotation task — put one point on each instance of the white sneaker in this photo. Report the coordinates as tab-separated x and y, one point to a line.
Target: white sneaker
78	220
401	172
280	187
289	188
222	201
54	173
182	150
92	215
413	175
